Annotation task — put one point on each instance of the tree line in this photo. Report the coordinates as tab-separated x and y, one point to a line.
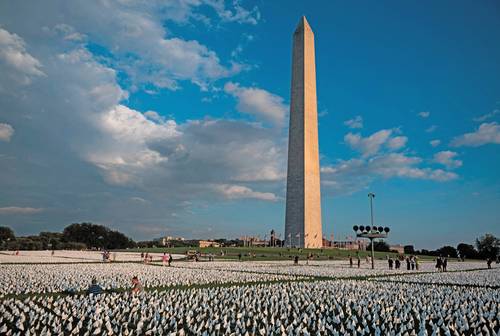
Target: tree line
80	236
75	236
487	246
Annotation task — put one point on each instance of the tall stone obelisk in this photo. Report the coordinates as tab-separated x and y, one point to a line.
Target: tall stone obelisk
303	196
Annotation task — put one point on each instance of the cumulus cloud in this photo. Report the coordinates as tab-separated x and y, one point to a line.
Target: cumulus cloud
236	14
397	142
447	158
431	128
435	142
14	210
487	116
6	132
424	114
487	133
15	62
349	176
137	39
374	143
258	102
239	192
356	122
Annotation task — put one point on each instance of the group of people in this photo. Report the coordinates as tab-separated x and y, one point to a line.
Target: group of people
412	262
166	259
106	256
95	288
441	264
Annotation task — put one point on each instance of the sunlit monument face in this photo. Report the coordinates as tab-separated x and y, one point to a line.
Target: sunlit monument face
303	199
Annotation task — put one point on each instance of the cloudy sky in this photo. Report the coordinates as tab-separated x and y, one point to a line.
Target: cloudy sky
171	117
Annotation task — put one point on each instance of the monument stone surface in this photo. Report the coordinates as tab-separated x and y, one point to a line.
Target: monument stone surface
303	196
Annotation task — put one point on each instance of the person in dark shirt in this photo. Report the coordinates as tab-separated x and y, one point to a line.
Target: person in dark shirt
94	288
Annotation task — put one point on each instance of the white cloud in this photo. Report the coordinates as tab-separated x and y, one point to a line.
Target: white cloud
239	192
431	128
258	102
487	133
447	158
487	116
356	122
369	145
237	14
397	142
13	210
355	174
435	143
6	132
15	62
374	143
424	114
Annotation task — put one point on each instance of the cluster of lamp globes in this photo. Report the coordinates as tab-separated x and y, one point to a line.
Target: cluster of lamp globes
371	229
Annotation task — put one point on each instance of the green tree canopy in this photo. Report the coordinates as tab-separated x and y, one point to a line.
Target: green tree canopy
447	251
6	233
96	236
467	251
488	246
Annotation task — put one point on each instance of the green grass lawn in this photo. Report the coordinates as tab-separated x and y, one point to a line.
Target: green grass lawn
269	253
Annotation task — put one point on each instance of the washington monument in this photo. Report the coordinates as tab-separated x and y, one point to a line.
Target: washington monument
303	197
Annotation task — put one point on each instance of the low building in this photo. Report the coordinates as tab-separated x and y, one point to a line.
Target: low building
208	243
164	240
398	248
352	245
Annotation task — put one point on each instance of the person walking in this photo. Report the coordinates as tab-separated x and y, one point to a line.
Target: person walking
359	262
445	264
391	262
170	259
350	261
164	258
438	263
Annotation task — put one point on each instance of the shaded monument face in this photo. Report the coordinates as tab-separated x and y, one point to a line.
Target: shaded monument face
303	198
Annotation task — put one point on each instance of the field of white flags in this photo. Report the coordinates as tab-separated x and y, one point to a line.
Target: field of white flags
50	278
290	308
43	297
330	269
47	257
485	278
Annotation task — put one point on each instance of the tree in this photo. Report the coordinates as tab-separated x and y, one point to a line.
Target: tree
96	236
380	246
447	251
409	249
6	234
488	246
467	251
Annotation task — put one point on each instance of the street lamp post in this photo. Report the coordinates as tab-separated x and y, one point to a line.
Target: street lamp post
371	232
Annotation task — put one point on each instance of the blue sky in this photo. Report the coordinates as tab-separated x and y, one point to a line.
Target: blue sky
170	117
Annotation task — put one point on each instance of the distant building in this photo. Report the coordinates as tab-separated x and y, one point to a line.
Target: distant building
208	243
254	241
164	240
398	248
352	245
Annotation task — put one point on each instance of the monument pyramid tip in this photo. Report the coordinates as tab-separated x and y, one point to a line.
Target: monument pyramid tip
303	22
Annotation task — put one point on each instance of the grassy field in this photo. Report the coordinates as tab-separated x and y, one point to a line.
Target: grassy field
268	253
